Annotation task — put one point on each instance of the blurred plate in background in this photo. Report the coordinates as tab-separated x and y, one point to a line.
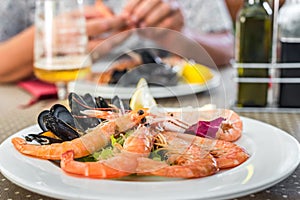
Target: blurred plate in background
109	91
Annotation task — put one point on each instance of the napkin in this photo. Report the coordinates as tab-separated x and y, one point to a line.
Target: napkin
38	89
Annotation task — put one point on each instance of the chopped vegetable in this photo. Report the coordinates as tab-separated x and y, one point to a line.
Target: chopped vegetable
108	151
89	158
158	155
207	129
104	154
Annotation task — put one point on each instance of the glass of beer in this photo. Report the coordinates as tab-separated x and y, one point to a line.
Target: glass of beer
60	47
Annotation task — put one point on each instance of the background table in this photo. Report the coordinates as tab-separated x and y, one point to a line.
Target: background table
13	119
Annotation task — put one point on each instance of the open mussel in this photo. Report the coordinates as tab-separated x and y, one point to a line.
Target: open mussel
58	125
119	103
62	113
152	68
78	104
60	128
101	103
57	111
41	120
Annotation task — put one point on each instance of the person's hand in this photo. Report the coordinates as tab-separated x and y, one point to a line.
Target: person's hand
99	29
154	13
102	28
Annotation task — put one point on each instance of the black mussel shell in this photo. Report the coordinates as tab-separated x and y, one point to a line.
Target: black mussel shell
116	75
79	103
101	103
89	100
61	112
119	103
153	69
155	74
59	121
83	123
149	57
41	120
60	128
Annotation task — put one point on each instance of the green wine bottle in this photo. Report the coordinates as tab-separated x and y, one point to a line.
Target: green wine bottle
253	45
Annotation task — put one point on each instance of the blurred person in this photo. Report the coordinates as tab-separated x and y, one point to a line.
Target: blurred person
208	23
17	36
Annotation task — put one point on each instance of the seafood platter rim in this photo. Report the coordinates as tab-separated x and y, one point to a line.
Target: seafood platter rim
270	148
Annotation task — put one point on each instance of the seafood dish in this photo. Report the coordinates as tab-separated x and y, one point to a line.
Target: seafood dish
158	67
99	139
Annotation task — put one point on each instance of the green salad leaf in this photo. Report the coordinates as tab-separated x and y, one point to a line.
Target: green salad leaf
108	151
158	155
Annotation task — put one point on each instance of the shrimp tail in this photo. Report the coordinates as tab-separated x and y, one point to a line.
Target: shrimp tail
201	168
27	149
89	169
21	145
51	152
228	155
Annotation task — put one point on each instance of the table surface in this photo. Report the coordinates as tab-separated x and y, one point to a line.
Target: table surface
14	118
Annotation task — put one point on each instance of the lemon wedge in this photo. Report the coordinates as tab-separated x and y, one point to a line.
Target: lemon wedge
196	73
142	97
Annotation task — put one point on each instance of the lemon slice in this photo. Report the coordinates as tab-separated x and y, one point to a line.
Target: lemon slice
196	73
142	97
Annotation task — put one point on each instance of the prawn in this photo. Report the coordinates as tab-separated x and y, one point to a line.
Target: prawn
92	141
123	163
227	154
229	130
183	161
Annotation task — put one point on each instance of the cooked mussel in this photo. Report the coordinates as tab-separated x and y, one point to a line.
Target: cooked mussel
60	128
59	121
61	112
58	111
41	120
101	103
78	104
153	69
59	124
119	103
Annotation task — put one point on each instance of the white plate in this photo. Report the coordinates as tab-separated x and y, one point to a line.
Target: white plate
109	91
274	156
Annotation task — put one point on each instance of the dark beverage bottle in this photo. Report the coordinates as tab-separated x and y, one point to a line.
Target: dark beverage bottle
253	45
289	35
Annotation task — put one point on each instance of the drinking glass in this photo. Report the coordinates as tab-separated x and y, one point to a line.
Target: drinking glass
60	47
